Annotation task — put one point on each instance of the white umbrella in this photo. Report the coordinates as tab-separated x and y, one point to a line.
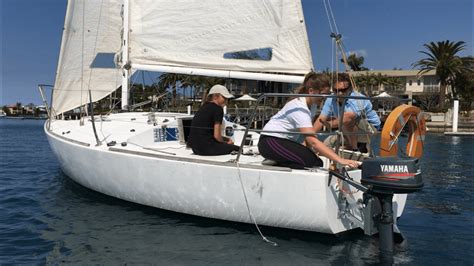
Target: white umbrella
246	97
383	94
387	104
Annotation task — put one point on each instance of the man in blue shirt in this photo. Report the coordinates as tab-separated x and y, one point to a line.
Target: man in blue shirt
356	111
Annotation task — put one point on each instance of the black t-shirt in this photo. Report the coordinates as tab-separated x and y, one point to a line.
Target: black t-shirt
202	127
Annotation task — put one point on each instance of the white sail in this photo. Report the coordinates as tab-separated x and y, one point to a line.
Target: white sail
266	36
91	37
213	34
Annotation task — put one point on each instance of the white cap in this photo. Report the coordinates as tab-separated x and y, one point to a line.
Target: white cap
221	90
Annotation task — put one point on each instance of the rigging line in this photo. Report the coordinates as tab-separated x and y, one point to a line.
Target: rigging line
134	79
332	15
252	218
132	89
113	107
117	73
333	56
154	85
327	15
101	131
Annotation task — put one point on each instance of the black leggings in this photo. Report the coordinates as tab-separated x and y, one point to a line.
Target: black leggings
214	148
287	153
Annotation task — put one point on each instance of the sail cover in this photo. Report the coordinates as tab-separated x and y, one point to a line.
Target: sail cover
91	37
245	35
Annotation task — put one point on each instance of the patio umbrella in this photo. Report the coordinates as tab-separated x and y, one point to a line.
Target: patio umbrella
387	104
383	94
246	97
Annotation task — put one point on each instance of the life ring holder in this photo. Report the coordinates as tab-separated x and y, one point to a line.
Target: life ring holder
400	117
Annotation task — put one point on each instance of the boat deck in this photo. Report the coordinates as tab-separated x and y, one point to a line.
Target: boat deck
131	133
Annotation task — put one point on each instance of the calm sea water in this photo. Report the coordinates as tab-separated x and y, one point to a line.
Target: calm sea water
47	218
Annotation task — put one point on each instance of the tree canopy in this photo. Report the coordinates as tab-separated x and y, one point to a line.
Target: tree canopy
442	56
355	62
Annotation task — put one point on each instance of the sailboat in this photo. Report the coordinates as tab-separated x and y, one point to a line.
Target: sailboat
142	157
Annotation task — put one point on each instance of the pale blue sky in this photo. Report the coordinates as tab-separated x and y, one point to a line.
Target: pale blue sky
387	33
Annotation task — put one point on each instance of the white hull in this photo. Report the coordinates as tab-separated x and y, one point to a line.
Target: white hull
203	186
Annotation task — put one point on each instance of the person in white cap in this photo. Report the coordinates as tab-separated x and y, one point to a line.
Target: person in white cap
205	136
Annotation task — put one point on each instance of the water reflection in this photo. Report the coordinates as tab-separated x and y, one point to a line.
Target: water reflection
88	227
455	140
47	218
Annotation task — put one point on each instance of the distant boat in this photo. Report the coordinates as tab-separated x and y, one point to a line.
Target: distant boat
142	157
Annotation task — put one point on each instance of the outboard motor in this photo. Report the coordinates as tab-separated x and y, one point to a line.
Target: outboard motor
390	175
385	176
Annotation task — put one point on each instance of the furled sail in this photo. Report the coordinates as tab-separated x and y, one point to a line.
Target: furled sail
91	37
245	35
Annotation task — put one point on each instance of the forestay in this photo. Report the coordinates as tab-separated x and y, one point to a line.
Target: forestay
245	35
91	28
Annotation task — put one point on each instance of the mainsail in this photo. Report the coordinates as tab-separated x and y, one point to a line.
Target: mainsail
265	36
245	35
91	35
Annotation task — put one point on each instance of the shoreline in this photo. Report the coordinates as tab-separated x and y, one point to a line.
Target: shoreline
23	118
443	127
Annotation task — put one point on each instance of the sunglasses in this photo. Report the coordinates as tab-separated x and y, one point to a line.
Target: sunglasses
342	90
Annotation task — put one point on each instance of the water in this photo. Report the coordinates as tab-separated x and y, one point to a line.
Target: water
47	218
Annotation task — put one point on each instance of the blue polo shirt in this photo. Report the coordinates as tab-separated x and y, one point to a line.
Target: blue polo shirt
357	106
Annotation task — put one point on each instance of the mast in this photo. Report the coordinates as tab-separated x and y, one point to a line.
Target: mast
125	64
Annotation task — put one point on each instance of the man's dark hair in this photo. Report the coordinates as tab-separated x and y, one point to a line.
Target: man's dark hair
343	77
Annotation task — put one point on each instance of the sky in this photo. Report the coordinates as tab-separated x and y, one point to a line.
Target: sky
388	33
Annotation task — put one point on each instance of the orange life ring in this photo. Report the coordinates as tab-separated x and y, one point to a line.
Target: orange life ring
400	117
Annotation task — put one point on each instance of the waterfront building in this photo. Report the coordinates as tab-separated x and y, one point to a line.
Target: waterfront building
411	83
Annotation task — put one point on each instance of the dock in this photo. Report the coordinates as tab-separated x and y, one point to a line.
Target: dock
447	128
459	133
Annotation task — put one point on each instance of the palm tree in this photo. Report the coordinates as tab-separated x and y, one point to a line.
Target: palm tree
464	84
366	82
19	108
442	57
201	84
355	62
380	80
393	84
170	80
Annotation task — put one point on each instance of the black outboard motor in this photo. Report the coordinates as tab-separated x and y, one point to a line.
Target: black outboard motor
390	175
385	176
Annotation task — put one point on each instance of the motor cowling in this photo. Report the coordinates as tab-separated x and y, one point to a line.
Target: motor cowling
390	175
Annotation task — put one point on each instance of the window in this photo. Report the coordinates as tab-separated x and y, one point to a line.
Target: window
418	82
409	82
263	54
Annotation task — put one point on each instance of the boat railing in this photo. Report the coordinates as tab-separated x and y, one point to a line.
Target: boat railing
338	133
